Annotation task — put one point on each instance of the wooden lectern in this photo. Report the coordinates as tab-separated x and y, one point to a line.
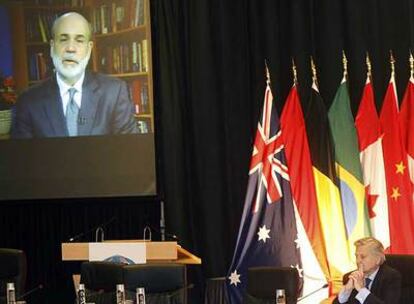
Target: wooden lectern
156	252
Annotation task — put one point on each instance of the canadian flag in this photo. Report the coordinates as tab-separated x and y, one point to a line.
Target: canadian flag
371	154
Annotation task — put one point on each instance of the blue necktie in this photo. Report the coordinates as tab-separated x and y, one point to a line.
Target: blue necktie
367	282
72	112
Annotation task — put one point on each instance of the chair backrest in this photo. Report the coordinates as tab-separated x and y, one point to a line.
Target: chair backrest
101	276
404	263
155	278
163	283
13	268
262	282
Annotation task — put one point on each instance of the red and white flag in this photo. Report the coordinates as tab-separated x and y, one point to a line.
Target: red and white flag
370	146
310	237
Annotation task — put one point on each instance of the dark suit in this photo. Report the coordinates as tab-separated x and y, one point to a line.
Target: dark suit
385	289
106	108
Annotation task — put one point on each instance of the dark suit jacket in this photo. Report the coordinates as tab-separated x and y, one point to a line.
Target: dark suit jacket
106	108
385	289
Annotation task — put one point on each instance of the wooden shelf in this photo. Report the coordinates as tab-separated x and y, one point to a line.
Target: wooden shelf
133	74
49	7
143	115
141	28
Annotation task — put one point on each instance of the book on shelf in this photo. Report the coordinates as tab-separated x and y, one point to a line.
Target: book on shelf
113	17
144	125
38	26
139	94
125	57
138	9
38	66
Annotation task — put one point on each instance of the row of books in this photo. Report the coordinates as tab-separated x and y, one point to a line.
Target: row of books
106	18
124	57
118	15
57	2
39	66
38	26
139	94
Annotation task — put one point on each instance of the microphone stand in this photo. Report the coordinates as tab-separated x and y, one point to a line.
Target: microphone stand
92	229
313	292
162	221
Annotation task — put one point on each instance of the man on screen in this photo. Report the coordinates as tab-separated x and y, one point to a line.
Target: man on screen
373	282
73	102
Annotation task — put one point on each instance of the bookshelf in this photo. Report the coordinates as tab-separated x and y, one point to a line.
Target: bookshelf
122	45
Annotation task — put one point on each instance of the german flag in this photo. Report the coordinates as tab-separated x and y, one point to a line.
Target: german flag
327	190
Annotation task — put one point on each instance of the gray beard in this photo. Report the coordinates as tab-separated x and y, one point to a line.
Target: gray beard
69	74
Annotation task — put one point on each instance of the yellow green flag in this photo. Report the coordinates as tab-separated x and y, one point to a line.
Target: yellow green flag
348	167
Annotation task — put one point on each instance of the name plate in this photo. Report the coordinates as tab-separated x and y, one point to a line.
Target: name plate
122	252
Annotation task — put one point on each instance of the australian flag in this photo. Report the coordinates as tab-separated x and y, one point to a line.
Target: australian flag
267	232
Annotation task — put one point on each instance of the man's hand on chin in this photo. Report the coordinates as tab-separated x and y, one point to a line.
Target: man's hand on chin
349	285
358	279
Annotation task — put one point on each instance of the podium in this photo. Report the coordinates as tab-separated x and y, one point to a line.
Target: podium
156	252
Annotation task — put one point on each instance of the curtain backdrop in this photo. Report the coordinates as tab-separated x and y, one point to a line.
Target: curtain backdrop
209	81
209	68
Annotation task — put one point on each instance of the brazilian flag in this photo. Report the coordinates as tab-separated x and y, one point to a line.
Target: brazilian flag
348	167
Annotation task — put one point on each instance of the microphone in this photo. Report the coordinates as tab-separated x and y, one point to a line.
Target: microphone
311	293
38	287
167	234
78	236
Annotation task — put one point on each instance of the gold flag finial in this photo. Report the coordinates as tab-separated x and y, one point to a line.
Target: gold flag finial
369	67
392	61
411	65
344	64
314	76
295	72
267	73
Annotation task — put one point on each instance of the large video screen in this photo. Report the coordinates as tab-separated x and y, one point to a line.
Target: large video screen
76	102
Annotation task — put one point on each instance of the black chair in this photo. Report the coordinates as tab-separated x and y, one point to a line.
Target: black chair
163	283
262	283
405	265
216	291
100	279
13	268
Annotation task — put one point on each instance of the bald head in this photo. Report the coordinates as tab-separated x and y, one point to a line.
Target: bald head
71	20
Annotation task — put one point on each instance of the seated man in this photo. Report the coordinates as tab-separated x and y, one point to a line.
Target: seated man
373	282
